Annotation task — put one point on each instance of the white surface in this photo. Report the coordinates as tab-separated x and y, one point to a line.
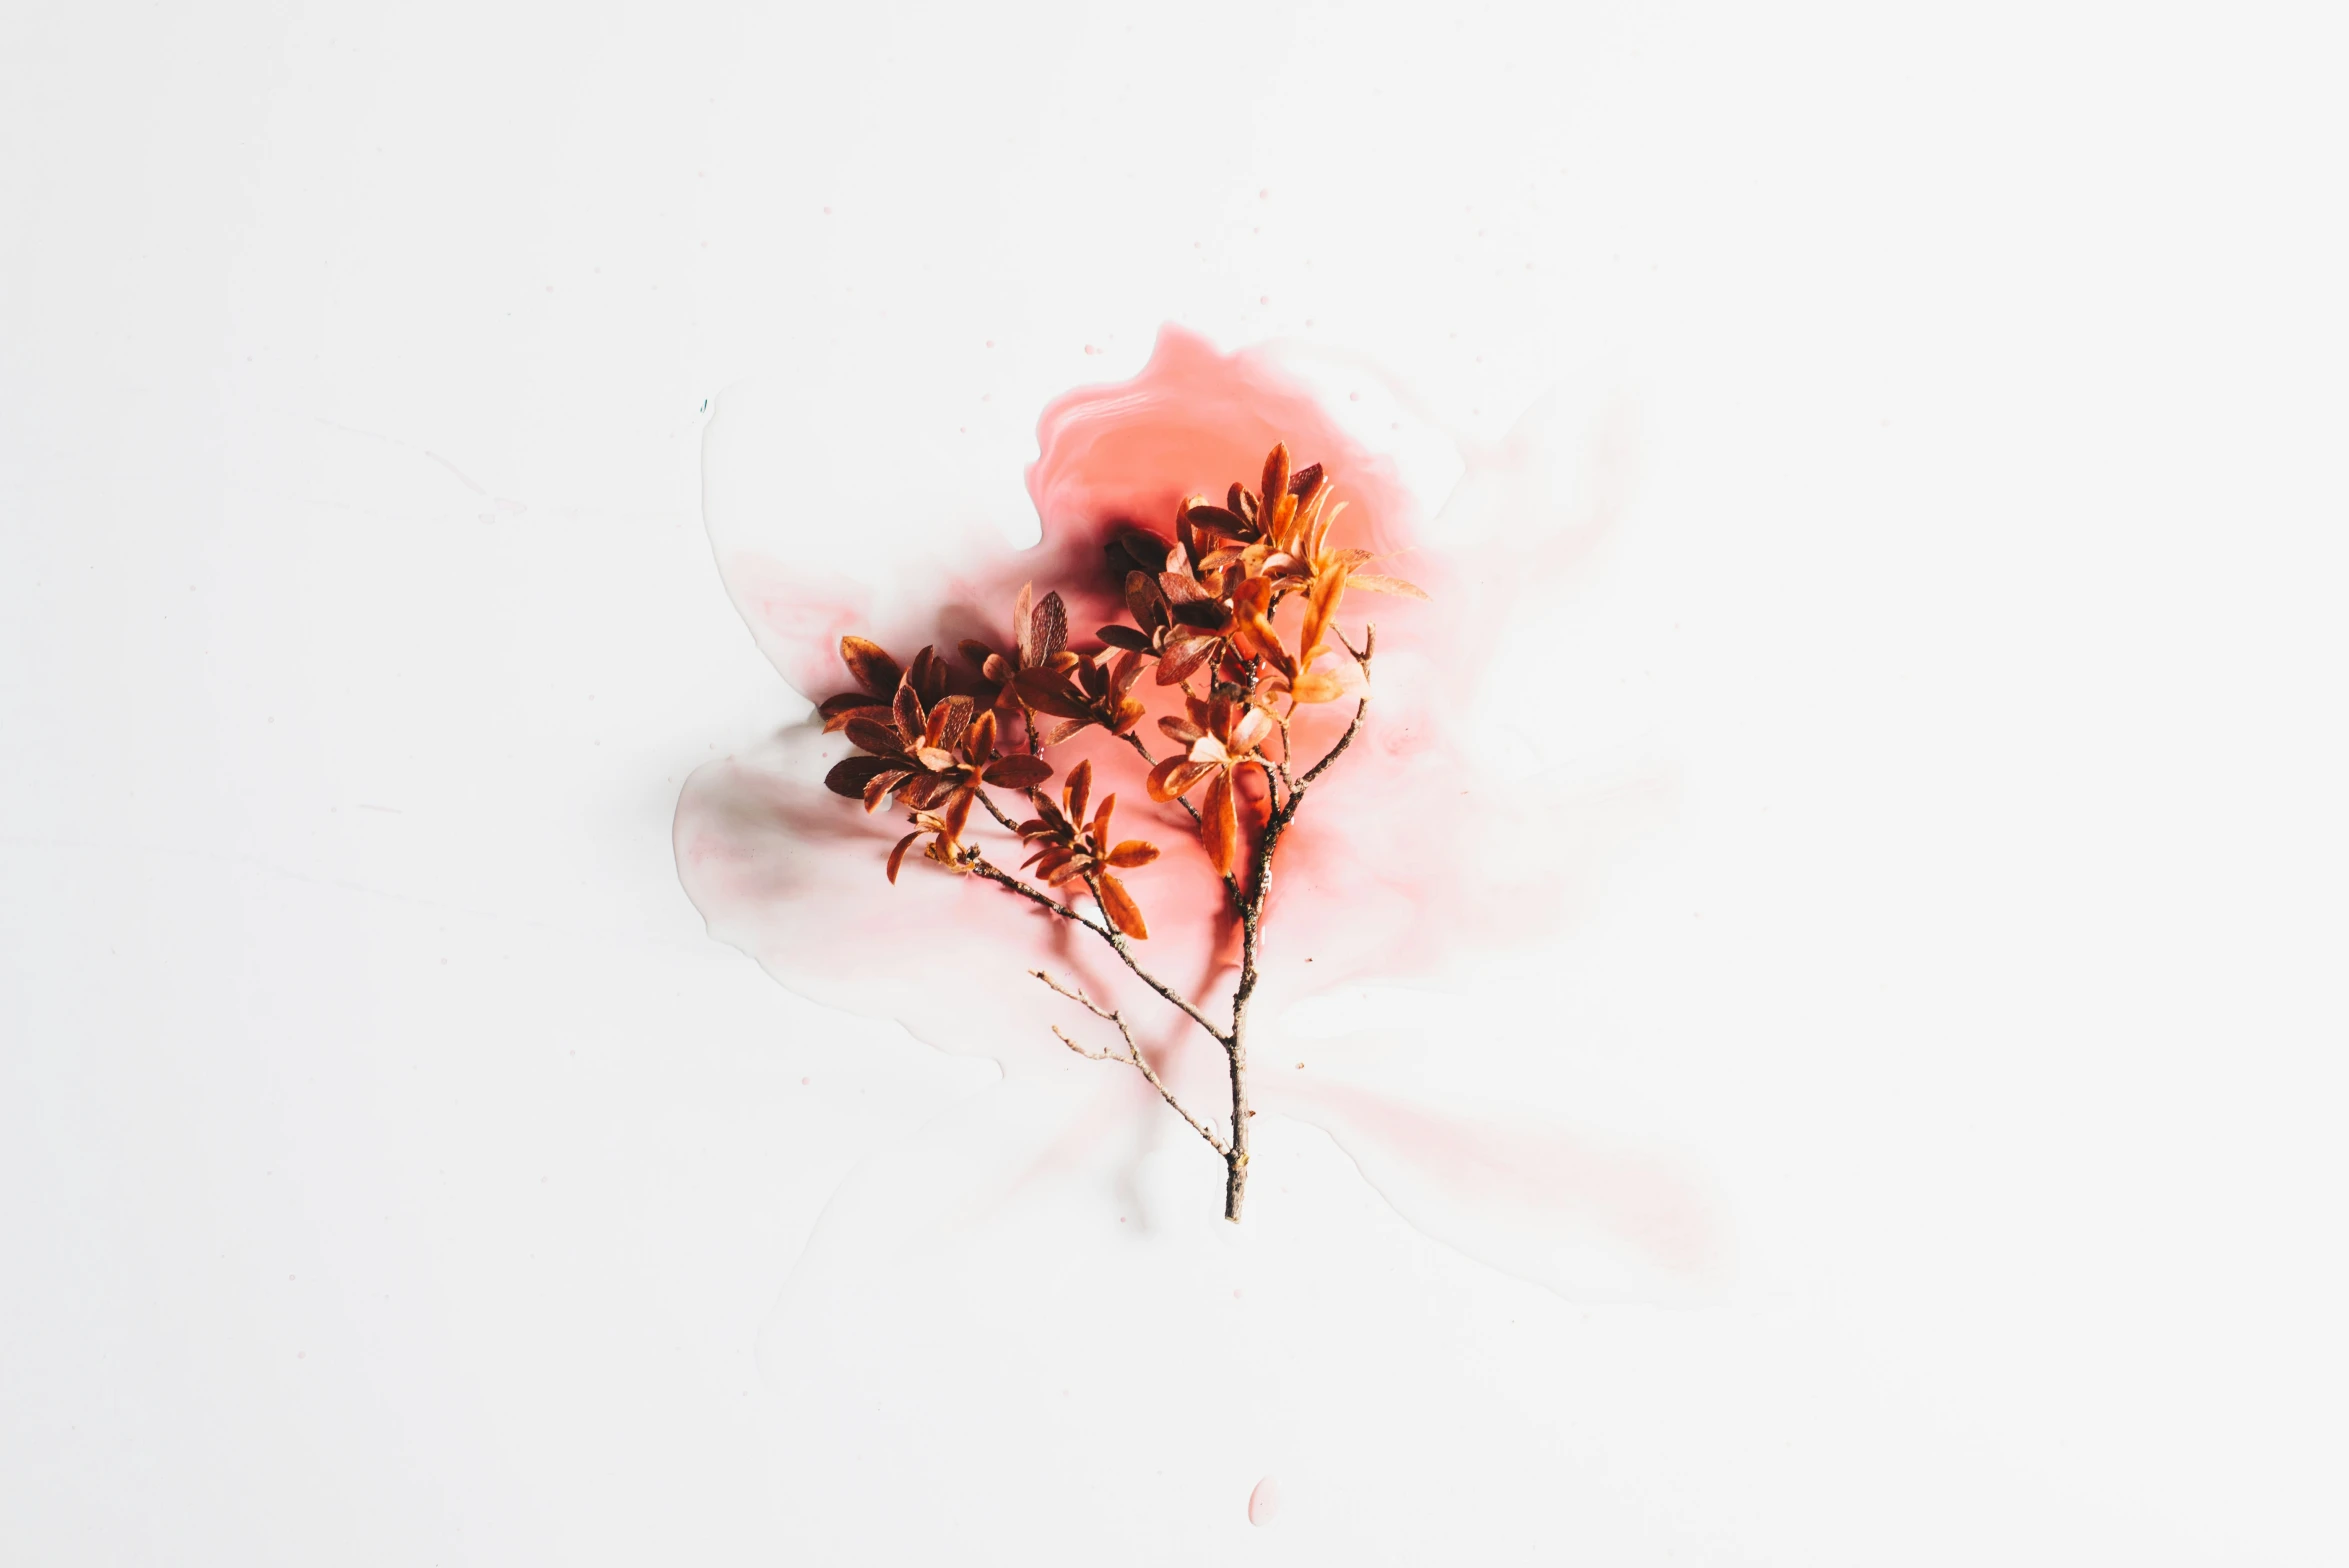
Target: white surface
390	1171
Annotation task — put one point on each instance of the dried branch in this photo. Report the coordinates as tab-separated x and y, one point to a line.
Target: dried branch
1133	1056
979	865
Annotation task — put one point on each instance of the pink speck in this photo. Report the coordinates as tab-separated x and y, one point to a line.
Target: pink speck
1090	349
1264	1502
803	1083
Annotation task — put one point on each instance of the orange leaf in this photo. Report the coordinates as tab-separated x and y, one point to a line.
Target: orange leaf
1219	826
1123	912
1373	582
1076	788
1133	852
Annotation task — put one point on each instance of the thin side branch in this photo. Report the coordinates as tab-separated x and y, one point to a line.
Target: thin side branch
1133	1057
981	866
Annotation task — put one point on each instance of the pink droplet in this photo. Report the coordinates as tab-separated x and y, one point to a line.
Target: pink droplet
1264	1502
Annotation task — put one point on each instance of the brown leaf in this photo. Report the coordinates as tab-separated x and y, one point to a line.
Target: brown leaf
1023	623
878	739
1050	693
947	722
1304	482
874	670
1183	654
928	674
1119	906
881	786
958	812
1050	631
1276	476
1217	520
1076	789
909	713
897	855
1100	827
848	775
1133	852
837	711
1124	637
1180	729
1018	771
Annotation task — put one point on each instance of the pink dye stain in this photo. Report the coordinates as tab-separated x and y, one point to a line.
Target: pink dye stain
1264	1503
1404	857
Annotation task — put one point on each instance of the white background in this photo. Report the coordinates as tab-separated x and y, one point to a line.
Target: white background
390	1169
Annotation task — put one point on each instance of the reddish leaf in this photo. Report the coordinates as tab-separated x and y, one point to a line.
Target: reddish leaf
897	855
1076	789
958	812
1133	852
1180	589
881	786
1276	473
1124	637
1018	771
848	776
1050	631
1305	481
907	706
1048	692
1217	520
874	670
879	739
837	711
1179	729
1182	655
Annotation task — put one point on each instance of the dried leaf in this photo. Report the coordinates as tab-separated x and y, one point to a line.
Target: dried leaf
1049	634
848	776
958	812
1218	520
1121	909
1133	852
897	855
1182	655
1219	827
979	740
1180	589
881	786
1176	776
878	739
1371	582
1276	474
907	707
1023	624
1180	729
1305	481
1018	771
874	670
1076	789
837	711
1124	637
1315	686
1050	693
